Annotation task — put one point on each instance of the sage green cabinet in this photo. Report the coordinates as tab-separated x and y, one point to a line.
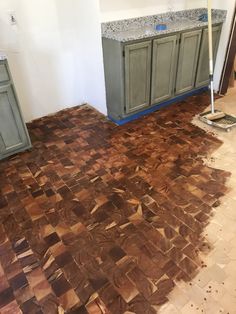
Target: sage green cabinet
4	73
13	133
203	65
164	58
137	75
188	60
142	73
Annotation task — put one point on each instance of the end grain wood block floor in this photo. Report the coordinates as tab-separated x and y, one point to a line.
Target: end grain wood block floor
104	219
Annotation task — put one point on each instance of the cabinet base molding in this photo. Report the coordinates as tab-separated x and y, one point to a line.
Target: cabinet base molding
21	150
158	106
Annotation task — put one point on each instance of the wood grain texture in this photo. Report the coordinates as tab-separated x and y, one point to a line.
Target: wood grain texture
188	61
202	78
138	75
104	219
165	54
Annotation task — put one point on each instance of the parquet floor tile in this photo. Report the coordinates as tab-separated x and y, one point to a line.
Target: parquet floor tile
104	219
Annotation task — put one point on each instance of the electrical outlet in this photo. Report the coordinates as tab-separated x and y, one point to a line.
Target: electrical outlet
12	18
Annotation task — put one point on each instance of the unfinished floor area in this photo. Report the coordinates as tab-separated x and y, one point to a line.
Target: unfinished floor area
213	290
104	219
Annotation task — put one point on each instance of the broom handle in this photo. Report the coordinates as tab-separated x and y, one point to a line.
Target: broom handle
211	66
210	36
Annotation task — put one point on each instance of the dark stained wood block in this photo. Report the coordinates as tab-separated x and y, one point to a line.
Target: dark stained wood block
18	282
60	286
6	296
98	218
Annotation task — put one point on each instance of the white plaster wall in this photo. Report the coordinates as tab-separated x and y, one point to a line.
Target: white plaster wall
115	10
54	53
191	4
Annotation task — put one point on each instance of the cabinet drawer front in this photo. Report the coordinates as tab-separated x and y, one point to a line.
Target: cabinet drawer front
4	75
164	67
12	130
137	75
188	59
203	65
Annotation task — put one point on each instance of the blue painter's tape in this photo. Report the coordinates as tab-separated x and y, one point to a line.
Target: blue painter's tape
161	27
157	107
203	17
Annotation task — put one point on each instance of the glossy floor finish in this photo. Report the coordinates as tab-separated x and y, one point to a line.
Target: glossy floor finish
213	290
104	219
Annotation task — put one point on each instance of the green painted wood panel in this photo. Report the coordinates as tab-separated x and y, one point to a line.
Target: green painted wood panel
188	59
4	75
163	69
203	65
138	75
13	136
114	77
2	145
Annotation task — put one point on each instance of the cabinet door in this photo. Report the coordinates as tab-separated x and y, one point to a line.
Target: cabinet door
163	69
203	65
4	75
137	75
13	136
188	59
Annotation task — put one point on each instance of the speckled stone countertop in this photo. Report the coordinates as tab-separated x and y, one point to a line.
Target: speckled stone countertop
144	27
2	56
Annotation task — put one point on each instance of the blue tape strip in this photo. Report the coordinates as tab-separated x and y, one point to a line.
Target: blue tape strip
157	107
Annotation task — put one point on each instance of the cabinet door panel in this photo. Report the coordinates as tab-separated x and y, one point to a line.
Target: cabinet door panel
203	65
12	132
2	145
4	75
137	75
164	67
188	59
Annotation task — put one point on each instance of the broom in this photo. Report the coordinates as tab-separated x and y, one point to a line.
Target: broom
214	115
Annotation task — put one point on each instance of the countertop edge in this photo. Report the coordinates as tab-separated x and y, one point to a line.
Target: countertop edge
3	57
159	33
127	30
